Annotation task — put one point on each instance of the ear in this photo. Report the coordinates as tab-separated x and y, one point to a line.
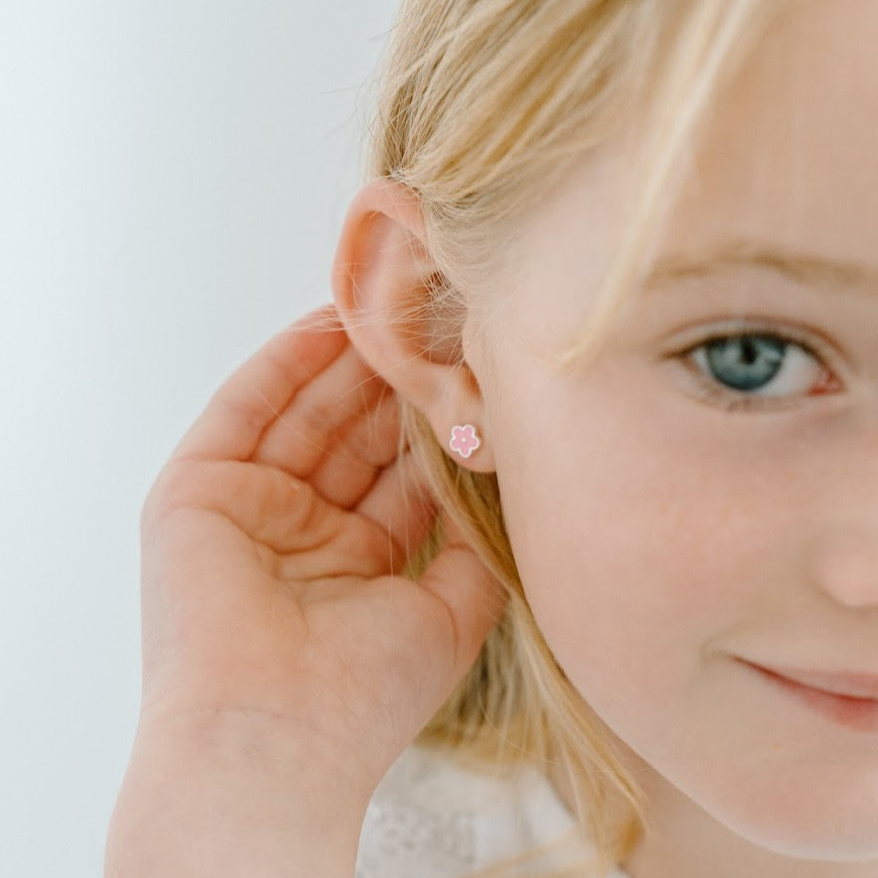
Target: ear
385	280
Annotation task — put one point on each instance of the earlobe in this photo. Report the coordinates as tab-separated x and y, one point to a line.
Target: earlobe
384	281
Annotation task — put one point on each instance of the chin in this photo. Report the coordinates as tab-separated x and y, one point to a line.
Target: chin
806	821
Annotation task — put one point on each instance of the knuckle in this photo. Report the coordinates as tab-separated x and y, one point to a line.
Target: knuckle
318	417
176	486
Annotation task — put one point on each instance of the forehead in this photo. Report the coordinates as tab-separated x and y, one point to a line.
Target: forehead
790	153
787	158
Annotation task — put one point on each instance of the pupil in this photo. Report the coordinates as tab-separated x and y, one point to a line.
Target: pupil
749	351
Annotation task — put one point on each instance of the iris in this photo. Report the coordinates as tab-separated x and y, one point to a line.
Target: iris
745	362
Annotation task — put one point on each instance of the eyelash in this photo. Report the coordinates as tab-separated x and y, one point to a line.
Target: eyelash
715	392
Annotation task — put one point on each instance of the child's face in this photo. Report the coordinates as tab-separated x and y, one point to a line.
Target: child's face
665	532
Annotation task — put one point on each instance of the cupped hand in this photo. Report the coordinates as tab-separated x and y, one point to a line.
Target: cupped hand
273	546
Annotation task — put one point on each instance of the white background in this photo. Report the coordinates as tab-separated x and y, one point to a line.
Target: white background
173	176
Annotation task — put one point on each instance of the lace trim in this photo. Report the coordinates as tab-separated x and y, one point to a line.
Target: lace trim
406	840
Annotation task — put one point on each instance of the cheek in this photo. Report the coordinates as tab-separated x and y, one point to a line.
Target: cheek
635	554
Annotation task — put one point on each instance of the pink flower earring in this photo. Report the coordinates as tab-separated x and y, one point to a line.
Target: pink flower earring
464	440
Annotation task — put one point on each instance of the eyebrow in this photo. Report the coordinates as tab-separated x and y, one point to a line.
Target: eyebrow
809	269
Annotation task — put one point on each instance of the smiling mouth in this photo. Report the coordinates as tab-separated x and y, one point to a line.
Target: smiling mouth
852	712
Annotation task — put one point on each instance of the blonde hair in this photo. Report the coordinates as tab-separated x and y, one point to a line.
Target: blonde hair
482	105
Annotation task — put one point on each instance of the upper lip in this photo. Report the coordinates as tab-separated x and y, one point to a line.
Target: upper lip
853	684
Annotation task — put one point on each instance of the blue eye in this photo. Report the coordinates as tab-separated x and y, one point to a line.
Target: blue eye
745	362
759	364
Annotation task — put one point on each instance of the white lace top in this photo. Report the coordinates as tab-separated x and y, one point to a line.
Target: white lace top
431	818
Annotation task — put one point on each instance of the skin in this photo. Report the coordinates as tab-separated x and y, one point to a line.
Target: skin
701	534
661	530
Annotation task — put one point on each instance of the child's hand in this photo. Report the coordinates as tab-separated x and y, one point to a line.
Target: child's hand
272	543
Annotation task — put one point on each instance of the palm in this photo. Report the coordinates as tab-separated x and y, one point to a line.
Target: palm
271	543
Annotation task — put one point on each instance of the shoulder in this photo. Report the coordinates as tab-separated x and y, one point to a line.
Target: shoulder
434	817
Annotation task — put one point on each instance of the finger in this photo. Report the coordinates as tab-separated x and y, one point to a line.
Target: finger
401	505
311	429
283	519
358	453
474	598
232	424
380	537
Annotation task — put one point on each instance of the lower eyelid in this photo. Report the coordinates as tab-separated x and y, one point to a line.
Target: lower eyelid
701	388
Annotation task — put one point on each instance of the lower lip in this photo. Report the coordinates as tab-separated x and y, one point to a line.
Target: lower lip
860	714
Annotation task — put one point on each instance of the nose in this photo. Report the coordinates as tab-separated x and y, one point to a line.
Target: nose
845	545
847	567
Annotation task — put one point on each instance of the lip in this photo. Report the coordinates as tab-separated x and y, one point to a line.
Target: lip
848	684
859	714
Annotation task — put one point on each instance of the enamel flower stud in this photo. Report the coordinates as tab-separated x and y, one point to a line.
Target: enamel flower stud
464	440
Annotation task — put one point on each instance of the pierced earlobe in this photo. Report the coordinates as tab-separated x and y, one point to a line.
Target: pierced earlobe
464	440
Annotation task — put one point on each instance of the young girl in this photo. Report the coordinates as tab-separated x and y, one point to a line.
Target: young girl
576	483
